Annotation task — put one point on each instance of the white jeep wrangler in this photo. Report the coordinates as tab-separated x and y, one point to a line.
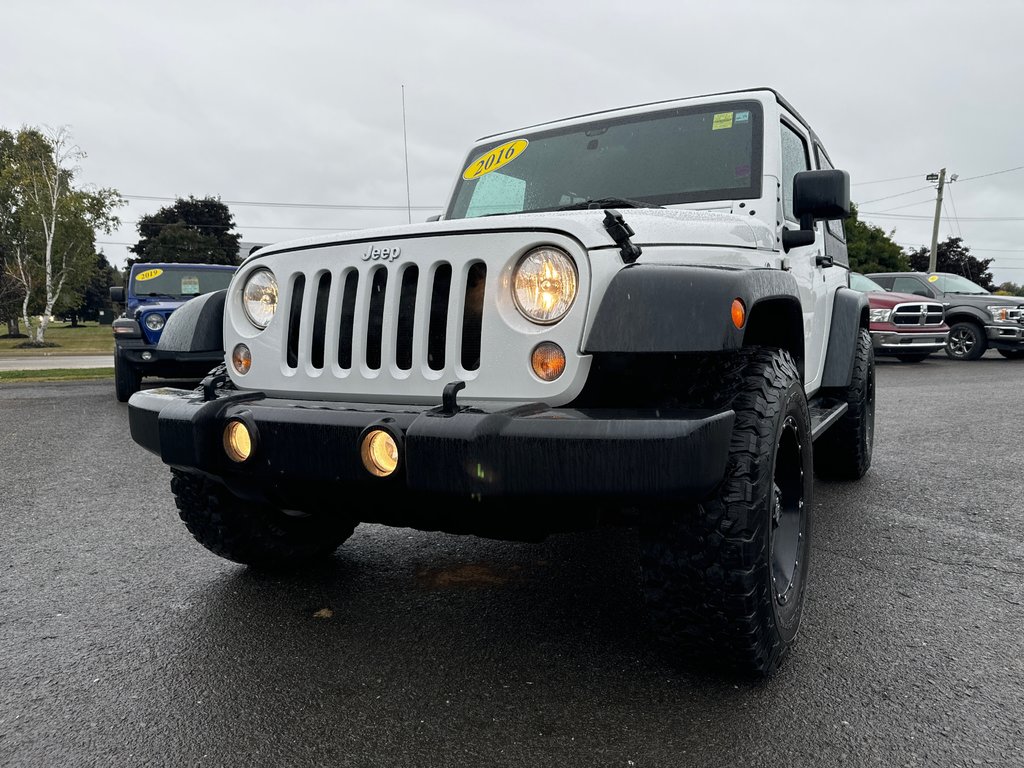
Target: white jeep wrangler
638	317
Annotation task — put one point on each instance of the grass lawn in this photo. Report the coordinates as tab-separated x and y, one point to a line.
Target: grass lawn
86	339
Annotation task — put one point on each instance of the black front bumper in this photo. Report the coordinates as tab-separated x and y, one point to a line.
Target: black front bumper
151	360
303	447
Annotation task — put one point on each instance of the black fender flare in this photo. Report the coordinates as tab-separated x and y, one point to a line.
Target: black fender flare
849	315
962	313
196	326
688	308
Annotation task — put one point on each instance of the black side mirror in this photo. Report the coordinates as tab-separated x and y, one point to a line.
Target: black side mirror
817	196
117	294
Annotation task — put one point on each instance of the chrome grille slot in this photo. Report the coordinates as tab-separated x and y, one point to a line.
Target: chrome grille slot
919	314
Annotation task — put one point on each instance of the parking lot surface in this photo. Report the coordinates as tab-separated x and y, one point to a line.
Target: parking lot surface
124	643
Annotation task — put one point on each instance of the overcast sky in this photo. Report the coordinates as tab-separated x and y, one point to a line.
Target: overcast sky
301	103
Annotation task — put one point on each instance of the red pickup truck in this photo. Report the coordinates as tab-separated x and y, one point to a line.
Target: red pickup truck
903	325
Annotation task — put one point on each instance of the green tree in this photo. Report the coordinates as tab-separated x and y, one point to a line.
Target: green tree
11	292
95	295
1010	289
952	255
193	231
48	224
870	248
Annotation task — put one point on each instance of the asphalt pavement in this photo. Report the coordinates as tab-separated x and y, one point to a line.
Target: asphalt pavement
124	643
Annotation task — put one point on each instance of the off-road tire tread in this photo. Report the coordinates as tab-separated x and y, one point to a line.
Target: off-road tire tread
704	567
127	380
844	452
249	533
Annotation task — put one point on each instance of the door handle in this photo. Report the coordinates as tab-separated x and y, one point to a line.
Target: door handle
823	261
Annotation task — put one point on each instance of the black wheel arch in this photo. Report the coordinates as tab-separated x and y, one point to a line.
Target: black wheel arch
653	308
197	325
849	316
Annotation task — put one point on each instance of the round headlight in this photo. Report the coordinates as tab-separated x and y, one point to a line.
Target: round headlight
259	297
544	284
154	321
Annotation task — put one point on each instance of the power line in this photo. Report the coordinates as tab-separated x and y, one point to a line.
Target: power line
994	173
327	206
908	205
882	181
244	226
898	194
909	216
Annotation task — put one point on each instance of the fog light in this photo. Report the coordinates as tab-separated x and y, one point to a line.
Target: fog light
548	361
241	359
147	355
379	452
237	441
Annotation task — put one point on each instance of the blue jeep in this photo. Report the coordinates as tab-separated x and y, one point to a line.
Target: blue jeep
152	293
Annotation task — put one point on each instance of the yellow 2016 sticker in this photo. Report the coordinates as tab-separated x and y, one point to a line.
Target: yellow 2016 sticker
149	274
495	159
932	278
721	120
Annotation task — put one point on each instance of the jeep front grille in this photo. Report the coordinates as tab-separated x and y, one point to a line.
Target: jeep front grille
920	314
386	315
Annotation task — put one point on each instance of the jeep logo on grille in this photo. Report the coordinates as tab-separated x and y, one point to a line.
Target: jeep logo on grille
382	254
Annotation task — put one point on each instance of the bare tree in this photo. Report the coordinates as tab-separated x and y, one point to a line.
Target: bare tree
59	221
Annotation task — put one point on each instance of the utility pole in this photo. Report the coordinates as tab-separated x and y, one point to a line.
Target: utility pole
941	178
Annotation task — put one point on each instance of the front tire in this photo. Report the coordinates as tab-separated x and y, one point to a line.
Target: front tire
251	533
724	580
844	451
966	341
127	379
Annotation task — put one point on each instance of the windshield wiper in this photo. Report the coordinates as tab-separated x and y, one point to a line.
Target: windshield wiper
157	293
604	202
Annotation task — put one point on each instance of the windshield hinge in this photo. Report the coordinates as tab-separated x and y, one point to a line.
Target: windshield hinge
620	232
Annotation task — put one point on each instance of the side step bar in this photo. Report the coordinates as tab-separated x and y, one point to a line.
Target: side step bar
824	413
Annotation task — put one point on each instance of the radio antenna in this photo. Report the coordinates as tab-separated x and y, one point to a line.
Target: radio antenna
405	139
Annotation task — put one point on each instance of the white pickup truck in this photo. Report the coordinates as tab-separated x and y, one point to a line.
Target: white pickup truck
639	317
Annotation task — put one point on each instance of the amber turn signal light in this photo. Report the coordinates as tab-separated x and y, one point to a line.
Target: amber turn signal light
739	313
547	361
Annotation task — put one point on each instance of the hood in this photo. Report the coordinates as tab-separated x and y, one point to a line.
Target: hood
156	305
652	226
982	299
889	299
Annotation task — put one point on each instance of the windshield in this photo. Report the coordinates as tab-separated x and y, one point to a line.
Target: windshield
955	284
179	282
864	284
682	155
